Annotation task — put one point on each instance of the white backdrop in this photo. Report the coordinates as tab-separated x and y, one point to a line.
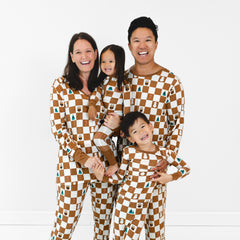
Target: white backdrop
198	41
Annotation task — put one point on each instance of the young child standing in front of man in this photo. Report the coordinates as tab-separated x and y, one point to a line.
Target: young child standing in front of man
138	188
110	92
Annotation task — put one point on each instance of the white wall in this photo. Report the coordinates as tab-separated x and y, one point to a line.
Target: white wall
198	41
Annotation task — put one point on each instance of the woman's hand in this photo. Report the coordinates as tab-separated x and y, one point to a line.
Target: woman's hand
162	178
112	121
92	162
92	113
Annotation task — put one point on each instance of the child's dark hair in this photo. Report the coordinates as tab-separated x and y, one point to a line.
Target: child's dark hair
129	120
119	55
142	22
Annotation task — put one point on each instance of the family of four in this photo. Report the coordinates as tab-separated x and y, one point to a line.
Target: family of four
143	107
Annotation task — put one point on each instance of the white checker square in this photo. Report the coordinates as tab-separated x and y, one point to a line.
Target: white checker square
148	103
151	90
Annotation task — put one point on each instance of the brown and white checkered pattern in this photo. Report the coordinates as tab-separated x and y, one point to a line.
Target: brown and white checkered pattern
70	202
73	130
161	98
110	95
112	100
139	199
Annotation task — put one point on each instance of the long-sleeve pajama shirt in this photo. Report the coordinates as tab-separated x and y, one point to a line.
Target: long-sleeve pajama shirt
137	191
74	132
160	96
112	100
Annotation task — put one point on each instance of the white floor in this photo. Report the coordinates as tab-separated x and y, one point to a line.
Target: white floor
85	233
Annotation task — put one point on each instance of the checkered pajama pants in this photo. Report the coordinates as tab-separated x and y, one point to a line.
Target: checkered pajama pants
102	141
70	200
131	216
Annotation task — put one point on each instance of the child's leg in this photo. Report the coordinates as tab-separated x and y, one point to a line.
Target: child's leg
129	219
100	140
155	219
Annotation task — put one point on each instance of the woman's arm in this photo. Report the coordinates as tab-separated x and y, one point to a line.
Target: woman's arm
59	125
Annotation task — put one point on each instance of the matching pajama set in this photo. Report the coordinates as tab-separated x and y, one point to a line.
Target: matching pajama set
137	192
112	100
160	96
74	132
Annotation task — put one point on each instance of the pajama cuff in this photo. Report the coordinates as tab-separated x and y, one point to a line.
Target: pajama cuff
176	175
92	103
105	179
116	131
80	157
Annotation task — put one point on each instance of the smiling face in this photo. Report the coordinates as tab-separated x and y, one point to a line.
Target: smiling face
108	63
83	55
141	132
143	45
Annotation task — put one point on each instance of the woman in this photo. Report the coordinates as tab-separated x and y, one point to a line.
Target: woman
77	152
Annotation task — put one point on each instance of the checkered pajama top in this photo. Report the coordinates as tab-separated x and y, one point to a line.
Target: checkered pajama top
109	94
160	97
72	130
135	171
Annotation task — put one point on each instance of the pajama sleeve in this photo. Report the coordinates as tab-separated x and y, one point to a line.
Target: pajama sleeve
95	96
175	110
58	124
119	177
182	168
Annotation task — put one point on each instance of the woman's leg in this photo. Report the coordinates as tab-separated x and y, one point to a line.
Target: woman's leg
103	198
70	200
155	220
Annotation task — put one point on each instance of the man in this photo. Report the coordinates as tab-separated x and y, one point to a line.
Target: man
158	93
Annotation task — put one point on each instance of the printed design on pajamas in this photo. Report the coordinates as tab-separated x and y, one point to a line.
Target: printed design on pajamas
161	98
73	130
112	100
140	201
70	202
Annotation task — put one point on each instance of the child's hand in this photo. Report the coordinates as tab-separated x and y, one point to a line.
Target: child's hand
112	120
98	170
92	113
162	178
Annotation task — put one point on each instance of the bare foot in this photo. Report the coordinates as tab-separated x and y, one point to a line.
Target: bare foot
111	170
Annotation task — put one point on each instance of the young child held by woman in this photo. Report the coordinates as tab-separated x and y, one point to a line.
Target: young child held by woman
138	188
109	91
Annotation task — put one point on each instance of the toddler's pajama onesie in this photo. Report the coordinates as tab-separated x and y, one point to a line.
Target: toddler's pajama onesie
112	100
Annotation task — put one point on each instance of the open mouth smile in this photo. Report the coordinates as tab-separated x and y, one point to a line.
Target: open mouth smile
144	137
142	53
85	63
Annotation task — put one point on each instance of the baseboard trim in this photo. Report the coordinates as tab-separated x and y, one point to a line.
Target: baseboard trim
46	218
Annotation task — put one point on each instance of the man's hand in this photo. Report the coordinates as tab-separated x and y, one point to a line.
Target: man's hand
161	167
162	178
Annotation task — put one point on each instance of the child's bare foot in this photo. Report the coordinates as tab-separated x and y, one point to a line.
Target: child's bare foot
111	170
